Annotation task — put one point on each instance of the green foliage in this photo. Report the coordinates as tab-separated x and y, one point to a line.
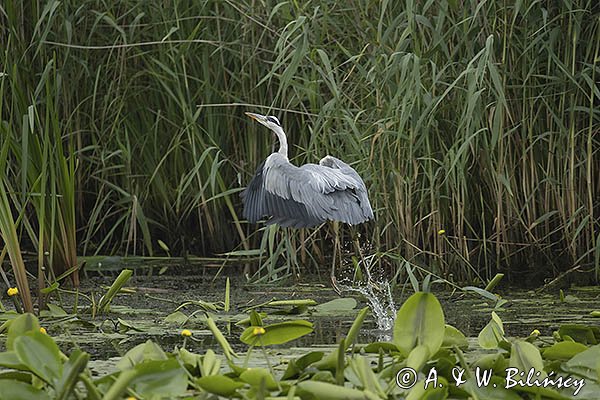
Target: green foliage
119	282
478	118
35	367
278	333
419	322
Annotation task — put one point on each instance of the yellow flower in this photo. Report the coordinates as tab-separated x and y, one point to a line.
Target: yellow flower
186	333
130	398
535	332
259	330
441	232
12	291
43	330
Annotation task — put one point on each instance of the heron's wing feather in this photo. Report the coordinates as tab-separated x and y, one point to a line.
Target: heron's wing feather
254	197
316	193
361	192
260	203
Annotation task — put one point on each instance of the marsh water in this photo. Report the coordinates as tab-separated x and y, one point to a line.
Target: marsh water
145	311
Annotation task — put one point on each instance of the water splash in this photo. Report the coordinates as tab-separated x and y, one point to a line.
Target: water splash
378	293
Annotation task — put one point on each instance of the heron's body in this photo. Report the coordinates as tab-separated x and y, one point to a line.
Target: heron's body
304	196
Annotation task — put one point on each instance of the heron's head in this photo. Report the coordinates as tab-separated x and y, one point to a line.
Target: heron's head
269	121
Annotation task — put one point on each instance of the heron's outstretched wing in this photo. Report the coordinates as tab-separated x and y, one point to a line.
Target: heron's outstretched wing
306	196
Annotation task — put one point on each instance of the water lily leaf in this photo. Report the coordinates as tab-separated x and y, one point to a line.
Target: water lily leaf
299	302
72	368
323	376
586	364
210	364
524	356
177	318
324	390
481	292
258	377
492	334
219	384
439	392
420	321
40	354
247	322
563	350
255	319
227	349
588	335
360	373
336	306
495	362
9	359
23	323
355	328
375	347
163	378
50	289
291	307
295	367
418	357
142	352
279	333
494	390
16	390
454	337
190	360
126	326
54	311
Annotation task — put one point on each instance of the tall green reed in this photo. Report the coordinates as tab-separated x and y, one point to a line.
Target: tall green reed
476	118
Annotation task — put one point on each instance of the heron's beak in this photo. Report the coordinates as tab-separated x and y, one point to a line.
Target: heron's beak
260	118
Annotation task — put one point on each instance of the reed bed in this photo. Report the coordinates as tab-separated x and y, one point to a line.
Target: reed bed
481	119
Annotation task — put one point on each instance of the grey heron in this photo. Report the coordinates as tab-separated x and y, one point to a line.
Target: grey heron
305	196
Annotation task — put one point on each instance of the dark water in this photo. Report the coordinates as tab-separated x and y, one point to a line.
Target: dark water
153	298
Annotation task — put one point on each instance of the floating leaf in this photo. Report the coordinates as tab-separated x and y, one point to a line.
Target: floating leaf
420	321
454	337
584	364
336	306
492	334
40	354
295	367
279	333
329	391
259	376
142	352
481	292
22	324
375	347
210	364
16	390
160	378
588	335
176	317
9	359
418	357
524	356
563	350
219	384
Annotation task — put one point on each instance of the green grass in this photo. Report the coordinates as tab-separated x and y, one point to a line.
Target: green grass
479	118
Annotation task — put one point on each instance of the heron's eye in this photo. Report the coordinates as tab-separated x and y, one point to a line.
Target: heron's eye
273	120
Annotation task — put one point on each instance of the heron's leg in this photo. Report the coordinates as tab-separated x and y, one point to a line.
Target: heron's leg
337	249
291	240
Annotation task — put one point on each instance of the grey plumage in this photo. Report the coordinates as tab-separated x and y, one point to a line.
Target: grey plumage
304	196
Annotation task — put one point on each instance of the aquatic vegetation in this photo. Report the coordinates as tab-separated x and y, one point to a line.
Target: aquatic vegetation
426	359
476	120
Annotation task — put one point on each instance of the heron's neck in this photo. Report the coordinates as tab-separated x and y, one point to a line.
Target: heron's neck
283	146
